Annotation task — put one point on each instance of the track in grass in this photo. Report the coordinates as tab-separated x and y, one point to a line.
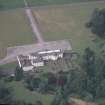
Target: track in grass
68	22
33	23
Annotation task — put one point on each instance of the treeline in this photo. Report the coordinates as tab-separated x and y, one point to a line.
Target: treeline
86	81
97	22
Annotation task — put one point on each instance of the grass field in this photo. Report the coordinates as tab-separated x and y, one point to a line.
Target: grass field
10	4
14	30
68	22
47	2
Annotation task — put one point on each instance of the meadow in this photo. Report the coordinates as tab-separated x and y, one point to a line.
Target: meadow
68	22
14	30
57	22
12	4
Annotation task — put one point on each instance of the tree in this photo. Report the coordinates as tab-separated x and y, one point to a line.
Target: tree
60	98
36	82
38	103
97	22
5	94
20	102
100	92
2	73
52	79
18	73
75	82
43	86
89	62
61	79
28	80
89	65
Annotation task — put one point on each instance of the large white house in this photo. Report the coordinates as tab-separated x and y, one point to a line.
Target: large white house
51	54
30	61
37	62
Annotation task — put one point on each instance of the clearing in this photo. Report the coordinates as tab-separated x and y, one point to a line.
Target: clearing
68	22
14	30
12	4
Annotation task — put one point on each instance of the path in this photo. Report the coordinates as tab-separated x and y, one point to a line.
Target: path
74	101
33	23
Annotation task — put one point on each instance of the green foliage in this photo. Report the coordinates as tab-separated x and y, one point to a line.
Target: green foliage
89	62
101	102
101	89
60	98
18	73
29	82
97	22
95	70
43	86
2	73
75	82
87	81
38	103
20	102
5	94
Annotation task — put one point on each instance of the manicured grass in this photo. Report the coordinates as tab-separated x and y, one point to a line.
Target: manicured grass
14	30
68	22
21	93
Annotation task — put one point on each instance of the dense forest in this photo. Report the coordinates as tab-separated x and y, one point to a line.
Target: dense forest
86	81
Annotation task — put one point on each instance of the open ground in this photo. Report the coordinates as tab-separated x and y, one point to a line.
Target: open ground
57	22
13	4
68	22
33	23
14	30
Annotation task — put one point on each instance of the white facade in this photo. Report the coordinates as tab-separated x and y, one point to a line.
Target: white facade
36	61
28	68
60	55
48	52
38	64
19	62
52	57
32	57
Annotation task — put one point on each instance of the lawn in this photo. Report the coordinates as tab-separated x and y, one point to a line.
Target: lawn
68	22
21	93
14	30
